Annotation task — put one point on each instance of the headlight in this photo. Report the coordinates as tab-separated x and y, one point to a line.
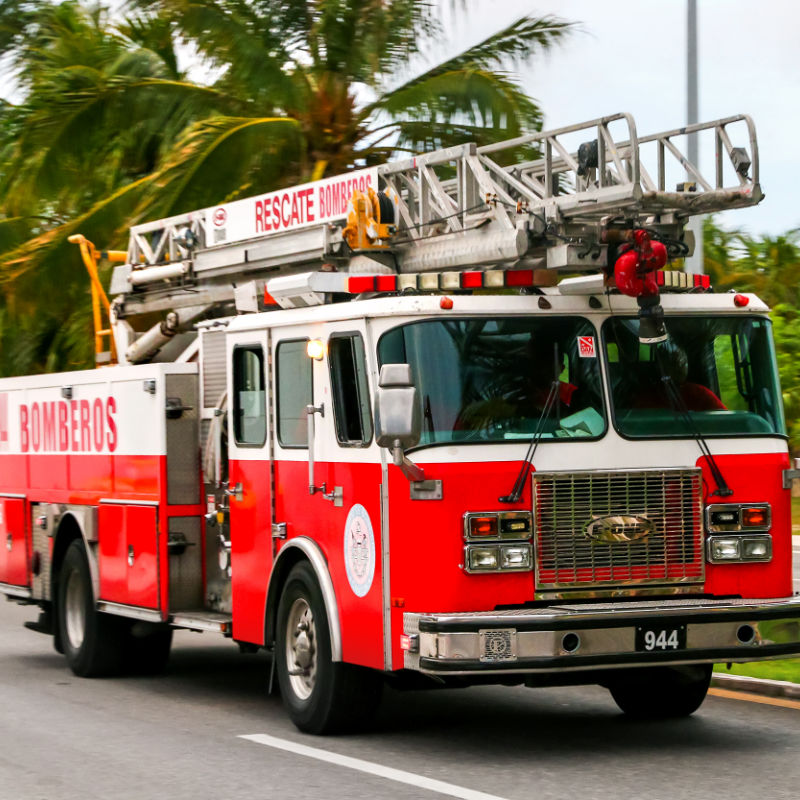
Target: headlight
756	548
515	556
724	549
482	558
498	558
728	549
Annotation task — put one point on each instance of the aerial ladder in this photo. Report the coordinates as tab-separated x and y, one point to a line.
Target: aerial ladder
572	208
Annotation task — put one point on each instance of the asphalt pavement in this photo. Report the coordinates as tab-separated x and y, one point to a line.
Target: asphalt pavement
179	735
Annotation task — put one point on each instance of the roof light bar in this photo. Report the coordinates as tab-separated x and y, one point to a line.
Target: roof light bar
310	288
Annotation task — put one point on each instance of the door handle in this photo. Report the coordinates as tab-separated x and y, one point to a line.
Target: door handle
237	493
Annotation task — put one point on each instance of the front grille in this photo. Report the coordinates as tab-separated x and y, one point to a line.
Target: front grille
617	528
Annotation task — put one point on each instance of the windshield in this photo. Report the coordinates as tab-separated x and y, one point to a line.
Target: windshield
488	379
723	368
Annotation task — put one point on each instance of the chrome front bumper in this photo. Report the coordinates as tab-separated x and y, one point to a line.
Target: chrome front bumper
600	636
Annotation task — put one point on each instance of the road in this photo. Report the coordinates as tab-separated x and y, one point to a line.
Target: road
179	736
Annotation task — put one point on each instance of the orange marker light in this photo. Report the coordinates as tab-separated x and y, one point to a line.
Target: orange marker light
483	526
754	517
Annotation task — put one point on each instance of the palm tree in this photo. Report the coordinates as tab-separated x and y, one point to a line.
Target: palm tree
111	131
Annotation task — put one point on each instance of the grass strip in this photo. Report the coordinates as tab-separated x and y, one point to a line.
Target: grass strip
787	669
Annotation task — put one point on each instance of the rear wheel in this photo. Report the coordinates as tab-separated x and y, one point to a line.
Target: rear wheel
92	641
661	692
320	696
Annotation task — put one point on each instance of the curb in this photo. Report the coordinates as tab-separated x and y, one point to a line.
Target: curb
762	686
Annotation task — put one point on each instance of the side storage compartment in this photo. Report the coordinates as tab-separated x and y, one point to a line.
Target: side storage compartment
128	554
13	545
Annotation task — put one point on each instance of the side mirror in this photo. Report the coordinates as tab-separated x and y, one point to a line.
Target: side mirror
397	418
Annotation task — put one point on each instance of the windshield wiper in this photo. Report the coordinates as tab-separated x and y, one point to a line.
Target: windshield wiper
679	406
519	484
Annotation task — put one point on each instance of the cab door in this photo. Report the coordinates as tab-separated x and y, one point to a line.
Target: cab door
327	366
249	489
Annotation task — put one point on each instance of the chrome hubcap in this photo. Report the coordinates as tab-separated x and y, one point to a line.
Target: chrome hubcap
75	610
301	649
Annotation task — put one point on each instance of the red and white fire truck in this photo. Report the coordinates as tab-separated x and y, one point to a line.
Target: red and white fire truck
451	420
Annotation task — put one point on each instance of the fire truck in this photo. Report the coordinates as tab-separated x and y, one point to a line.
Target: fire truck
458	419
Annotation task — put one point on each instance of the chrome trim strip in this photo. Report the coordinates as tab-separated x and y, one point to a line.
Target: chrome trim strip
11	496
202	623
314	554
14	591
132	612
112	501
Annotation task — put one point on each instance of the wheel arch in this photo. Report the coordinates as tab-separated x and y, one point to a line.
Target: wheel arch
76	522
295	550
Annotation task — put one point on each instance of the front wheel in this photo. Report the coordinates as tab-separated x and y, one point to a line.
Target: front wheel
320	696
661	692
92	642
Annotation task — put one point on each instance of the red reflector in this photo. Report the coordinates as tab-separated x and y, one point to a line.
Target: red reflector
471	280
269	300
361	283
660	277
519	277
386	283
705	281
446	303
741	300
696	280
754	517
405	641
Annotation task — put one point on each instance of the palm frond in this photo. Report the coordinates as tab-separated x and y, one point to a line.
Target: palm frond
518	42
475	104
219	156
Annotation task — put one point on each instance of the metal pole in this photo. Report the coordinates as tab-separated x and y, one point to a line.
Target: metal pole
695	262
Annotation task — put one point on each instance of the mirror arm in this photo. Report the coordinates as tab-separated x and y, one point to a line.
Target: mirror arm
412	472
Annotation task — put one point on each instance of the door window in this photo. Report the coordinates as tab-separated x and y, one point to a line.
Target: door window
295	392
249	397
350	390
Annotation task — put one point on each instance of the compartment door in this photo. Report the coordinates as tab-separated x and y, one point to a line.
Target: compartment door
128	561
249	489
13	545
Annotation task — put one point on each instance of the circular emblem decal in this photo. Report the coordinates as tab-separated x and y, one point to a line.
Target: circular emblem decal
359	550
220	215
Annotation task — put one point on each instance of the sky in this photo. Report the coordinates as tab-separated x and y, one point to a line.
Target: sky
630	55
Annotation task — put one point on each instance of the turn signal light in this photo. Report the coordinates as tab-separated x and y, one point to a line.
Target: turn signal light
754	517
483	526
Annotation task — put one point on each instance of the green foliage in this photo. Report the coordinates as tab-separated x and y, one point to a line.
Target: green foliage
110	131
769	266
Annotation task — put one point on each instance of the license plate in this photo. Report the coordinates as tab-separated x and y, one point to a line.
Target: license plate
655	639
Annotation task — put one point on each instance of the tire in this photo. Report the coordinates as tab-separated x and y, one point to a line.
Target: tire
147	649
320	696
661	692
92	642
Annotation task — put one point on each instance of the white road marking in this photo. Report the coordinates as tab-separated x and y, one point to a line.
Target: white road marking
399	775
